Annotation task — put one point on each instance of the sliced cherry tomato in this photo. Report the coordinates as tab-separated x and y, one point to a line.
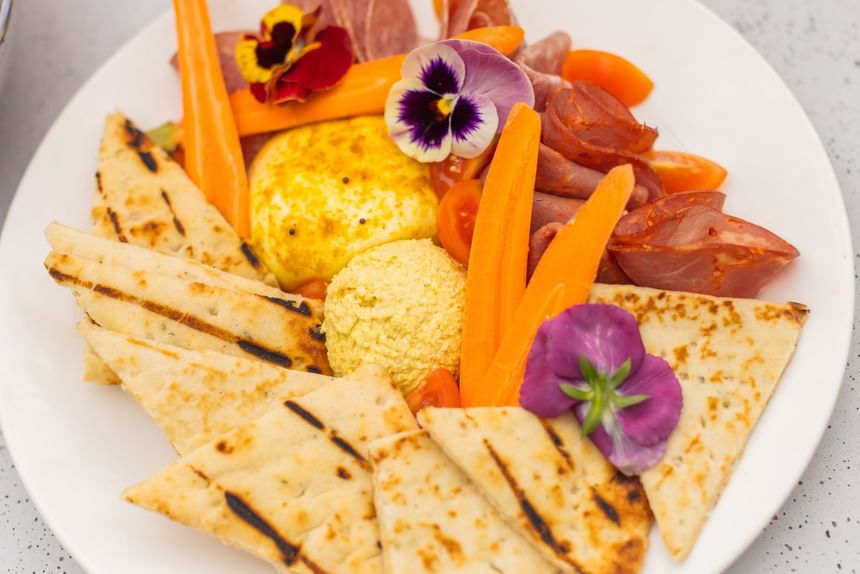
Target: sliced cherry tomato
618	76
444	174
682	172
455	220
439	390
314	289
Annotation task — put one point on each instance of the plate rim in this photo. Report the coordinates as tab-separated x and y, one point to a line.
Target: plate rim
844	230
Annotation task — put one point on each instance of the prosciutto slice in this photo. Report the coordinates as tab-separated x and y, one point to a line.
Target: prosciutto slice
592	128
542	62
389	29
559	176
684	242
377	28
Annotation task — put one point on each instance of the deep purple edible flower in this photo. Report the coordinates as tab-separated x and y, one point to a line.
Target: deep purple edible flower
453	97
590	358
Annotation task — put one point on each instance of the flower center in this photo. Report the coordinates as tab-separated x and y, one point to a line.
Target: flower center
445	105
600	390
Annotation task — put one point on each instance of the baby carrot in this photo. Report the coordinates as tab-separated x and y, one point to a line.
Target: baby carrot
563	278
213	156
496	275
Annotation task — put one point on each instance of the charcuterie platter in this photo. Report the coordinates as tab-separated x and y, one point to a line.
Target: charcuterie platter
393	287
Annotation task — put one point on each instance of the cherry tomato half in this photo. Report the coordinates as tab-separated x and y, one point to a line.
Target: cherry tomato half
439	390
614	74
314	289
682	172
444	174
455	219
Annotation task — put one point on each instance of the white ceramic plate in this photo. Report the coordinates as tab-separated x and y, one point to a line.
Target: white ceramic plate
78	445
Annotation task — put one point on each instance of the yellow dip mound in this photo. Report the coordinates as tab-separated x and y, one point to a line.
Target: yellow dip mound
323	193
399	306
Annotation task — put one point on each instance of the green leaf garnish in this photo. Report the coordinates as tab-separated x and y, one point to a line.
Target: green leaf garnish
595	412
624	401
620	375
576	392
587	369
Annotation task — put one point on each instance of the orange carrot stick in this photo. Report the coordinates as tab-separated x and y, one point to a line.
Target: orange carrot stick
213	156
362	91
496	278
563	278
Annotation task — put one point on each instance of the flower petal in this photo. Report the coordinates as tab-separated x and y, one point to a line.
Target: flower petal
415	122
541	392
606	335
626	455
437	67
285	13
318	69
246	58
490	74
653	420
474	123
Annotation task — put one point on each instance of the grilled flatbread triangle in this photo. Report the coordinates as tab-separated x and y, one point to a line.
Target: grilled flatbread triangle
70	241
195	396
433	519
293	487
728	354
550	484
145	198
192	311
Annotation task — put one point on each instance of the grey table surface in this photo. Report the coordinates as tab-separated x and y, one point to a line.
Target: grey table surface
815	47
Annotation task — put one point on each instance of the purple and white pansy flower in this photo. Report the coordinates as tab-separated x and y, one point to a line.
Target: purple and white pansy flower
590	358
453	97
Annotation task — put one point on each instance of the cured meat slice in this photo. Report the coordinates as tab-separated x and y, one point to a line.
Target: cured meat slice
352	16
548	208
470	14
542	63
559	176
389	29
685	243
591	127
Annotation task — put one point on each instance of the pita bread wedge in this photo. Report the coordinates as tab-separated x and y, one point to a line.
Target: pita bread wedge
69	241
193	314
145	198
550	484
293	487
728	354
195	396
433	519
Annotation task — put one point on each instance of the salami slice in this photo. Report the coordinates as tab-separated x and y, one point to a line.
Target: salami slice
684	242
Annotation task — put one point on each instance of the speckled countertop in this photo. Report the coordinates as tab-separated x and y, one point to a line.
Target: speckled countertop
815	47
